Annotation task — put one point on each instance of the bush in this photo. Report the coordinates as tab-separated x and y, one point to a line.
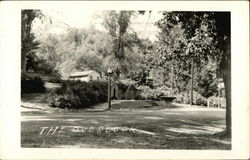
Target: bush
184	98
123	86
77	94
55	80
215	101
54	77
198	99
147	93
31	84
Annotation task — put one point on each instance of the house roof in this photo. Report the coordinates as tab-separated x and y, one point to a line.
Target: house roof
82	74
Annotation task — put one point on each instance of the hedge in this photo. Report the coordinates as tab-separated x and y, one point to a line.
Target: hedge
184	98
78	94
146	93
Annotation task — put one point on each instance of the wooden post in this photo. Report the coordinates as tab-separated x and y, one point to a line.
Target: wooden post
192	77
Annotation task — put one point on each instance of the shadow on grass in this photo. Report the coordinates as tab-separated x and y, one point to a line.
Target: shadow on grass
162	139
186	130
35	97
125	140
180	140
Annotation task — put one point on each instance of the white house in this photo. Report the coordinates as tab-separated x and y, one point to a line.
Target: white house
86	76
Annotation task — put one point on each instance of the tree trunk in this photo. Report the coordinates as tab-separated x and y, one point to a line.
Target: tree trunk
225	67
26	21
23	62
192	79
227	82
172	77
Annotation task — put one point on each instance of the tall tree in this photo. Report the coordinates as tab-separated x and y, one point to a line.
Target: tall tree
76	49
27	38
117	23
172	48
223	25
206	35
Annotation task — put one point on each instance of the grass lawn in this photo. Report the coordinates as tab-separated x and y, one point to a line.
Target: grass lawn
145	128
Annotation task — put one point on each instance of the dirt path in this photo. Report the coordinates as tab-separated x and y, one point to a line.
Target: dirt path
38	101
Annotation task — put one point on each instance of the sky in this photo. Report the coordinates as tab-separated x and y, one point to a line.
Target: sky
83	18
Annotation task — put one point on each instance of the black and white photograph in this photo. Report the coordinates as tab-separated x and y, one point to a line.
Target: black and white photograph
131	79
148	79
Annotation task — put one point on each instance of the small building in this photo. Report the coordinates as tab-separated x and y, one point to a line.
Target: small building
86	76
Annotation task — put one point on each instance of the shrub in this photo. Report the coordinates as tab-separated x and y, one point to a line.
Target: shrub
184	97
31	84
215	101
198	99
55	77
126	90
147	93
77	94
122	87
165	90
55	80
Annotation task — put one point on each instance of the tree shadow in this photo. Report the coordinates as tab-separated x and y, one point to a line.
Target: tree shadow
35	97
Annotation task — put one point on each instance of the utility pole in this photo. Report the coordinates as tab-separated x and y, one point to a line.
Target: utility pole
192	78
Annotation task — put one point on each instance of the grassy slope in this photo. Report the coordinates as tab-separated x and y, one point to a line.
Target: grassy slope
173	129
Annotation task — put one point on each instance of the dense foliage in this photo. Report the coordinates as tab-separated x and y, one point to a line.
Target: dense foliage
184	98
146	93
77	94
201	37
27	37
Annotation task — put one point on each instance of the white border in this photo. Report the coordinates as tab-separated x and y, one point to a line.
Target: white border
10	81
